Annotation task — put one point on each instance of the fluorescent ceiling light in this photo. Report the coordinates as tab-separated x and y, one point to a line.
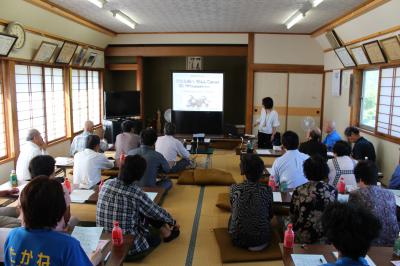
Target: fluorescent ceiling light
315	3
124	18
99	3
294	18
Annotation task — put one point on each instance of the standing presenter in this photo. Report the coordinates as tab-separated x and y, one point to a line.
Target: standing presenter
267	124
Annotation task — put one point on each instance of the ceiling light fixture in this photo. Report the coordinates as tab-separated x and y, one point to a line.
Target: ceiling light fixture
99	3
315	3
294	18
124	18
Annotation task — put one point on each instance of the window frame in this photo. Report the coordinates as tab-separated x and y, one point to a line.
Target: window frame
100	74
363	126
42	66
357	108
3	71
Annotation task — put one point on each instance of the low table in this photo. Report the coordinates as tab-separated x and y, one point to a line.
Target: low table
209	152
117	254
381	256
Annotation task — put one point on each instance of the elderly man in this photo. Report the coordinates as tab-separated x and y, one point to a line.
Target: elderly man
362	149
332	136
35	146
79	142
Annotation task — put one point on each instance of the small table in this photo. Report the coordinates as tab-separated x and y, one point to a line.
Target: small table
380	255
159	190
208	151
118	254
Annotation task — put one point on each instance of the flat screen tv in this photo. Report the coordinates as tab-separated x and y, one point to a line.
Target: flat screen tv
121	104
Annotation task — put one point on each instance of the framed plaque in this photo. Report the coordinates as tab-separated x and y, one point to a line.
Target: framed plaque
374	52
66	53
45	52
7	42
391	47
345	57
90	60
359	55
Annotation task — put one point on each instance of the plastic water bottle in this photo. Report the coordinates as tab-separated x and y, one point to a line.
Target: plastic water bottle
396	247
271	182
13	179
341	186
288	241
283	186
116	235
249	147
67	185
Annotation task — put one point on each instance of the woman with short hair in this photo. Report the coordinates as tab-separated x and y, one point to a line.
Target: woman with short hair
310	200
251	201
42	205
342	165
268	124
121	200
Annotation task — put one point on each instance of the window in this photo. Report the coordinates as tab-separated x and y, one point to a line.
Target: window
40	102
380	101
55	103
3	143
30	100
85	97
389	102
369	98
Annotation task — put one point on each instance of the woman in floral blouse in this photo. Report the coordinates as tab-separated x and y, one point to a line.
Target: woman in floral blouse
380	201
310	200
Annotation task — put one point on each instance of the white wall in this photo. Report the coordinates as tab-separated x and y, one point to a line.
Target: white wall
336	108
287	49
192	38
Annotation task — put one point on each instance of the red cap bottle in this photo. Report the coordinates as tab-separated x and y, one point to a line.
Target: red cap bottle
271	183
341	186
288	242
67	185
116	235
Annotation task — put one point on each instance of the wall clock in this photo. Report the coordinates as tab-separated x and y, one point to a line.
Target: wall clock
16	29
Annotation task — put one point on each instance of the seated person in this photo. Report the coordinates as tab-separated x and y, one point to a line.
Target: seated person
42	205
89	163
127	140
250	223
44	165
34	146
9	215
313	145
171	147
395	180
381	202
351	239
121	200
156	163
310	200
362	149
342	165
79	142
331	135
289	167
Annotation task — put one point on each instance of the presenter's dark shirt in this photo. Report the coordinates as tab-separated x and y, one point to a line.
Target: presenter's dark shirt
313	147
363	148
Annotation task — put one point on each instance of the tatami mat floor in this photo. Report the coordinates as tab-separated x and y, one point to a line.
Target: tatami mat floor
182	202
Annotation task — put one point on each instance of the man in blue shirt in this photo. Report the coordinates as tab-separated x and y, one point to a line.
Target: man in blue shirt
352	239
156	163
43	205
332	136
395	180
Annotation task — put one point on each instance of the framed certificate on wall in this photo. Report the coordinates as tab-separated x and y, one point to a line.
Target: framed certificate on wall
374	52
345	57
6	43
45	52
391	47
359	55
66	53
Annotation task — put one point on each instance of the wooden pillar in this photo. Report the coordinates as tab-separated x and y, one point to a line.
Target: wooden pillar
250	84
139	85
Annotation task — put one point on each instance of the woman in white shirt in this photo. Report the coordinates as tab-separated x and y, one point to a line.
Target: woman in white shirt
267	124
342	165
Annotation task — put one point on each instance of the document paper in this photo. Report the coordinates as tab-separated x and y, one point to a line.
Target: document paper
308	259
89	237
81	195
277	196
370	262
263	151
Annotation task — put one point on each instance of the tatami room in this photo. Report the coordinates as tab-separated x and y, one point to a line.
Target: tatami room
218	132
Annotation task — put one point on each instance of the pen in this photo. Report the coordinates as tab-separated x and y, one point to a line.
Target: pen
107	256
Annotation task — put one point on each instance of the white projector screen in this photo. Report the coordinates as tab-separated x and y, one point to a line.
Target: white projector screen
198	91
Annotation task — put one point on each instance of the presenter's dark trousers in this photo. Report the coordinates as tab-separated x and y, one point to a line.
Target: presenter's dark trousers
264	140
